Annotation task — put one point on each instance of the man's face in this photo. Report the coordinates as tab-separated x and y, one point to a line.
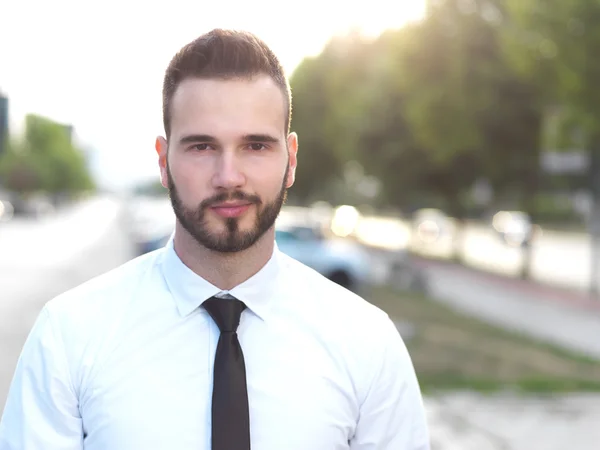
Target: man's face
229	162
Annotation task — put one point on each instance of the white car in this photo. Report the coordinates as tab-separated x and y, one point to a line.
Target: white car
341	260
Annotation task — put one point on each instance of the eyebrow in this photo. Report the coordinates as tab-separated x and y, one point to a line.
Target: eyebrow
192	138
260	138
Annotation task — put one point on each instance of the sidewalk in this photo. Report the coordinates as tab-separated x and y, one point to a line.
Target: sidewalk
561	317
470	421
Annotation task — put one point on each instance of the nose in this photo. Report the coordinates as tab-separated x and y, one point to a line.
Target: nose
228	172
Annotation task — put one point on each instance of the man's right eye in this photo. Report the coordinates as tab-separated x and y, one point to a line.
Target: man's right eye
200	147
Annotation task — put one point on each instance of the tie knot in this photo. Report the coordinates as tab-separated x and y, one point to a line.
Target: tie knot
225	312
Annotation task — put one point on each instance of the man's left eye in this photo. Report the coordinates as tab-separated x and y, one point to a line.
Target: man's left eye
257	146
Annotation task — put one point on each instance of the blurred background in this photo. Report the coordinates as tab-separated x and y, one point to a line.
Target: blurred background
449	173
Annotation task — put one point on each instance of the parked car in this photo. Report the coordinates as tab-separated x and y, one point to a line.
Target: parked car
431	225
341	260
513	227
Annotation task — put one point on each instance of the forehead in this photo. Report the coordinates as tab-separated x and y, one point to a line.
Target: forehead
228	107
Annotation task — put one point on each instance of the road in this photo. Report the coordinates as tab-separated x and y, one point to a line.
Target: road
560	259
41	259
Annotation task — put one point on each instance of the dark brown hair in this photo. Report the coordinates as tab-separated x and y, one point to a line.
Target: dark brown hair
223	54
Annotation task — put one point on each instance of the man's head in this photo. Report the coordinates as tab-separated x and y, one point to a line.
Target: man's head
228	158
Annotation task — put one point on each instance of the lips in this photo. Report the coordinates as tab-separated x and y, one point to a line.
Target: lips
231	209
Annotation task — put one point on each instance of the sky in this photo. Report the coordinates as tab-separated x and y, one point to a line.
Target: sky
99	65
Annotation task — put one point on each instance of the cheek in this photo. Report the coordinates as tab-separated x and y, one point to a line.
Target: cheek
268	181
189	181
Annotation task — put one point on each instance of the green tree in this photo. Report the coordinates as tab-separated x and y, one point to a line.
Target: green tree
428	110
20	171
317	164
444	66
45	160
467	105
329	92
557	43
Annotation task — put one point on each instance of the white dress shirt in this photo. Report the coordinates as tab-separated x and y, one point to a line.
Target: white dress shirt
125	362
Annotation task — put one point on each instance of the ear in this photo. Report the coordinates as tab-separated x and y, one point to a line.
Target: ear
162	147
292	143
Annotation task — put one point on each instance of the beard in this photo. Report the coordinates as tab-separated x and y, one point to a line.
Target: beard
232	239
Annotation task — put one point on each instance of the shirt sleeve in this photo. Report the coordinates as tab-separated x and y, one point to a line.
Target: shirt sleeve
392	415
42	410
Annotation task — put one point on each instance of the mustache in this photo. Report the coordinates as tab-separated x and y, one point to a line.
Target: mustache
228	196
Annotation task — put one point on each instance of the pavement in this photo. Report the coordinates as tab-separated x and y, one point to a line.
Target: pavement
569	319
468	421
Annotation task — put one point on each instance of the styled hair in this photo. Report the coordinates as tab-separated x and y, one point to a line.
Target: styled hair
223	54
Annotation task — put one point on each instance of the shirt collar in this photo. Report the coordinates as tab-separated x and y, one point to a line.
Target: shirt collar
190	290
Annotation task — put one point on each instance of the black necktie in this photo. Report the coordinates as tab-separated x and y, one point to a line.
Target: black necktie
230	412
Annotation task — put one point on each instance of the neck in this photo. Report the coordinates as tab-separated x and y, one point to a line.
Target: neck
223	270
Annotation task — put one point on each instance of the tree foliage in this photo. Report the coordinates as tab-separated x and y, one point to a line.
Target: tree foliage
427	109
44	159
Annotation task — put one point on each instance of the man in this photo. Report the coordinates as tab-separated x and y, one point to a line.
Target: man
218	341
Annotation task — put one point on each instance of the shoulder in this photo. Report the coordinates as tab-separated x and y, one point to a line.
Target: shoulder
337	306
103	294
358	336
